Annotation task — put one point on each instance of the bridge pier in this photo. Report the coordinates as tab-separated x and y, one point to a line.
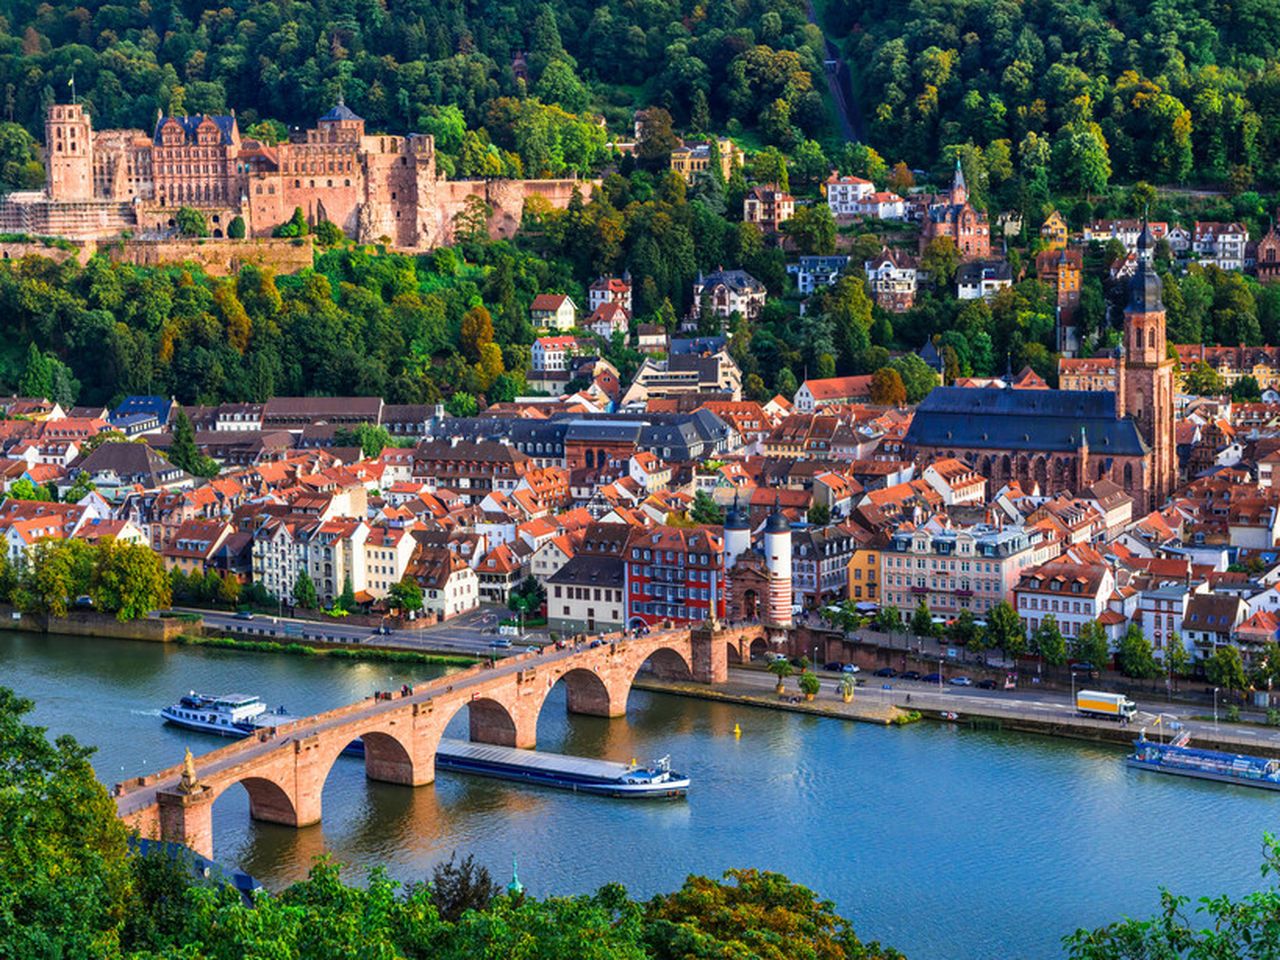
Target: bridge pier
187	818
710	654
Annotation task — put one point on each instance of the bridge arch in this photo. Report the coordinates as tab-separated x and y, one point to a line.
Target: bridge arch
491	721
666	663
387	758
268	801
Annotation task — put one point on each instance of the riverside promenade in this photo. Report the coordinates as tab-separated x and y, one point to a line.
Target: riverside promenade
1019	711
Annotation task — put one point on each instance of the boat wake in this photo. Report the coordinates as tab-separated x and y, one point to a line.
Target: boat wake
145	713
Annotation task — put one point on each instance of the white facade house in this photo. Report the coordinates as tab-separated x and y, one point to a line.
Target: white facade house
1220	244
882	205
844	194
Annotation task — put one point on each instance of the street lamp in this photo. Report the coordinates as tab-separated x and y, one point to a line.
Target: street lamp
1215	708
939	673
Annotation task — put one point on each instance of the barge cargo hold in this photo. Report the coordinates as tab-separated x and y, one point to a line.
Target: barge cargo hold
582	775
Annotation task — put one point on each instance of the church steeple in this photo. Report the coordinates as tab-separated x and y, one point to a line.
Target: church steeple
959	191
1145	376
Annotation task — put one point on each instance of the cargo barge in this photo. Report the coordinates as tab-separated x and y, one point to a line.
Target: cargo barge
1180	760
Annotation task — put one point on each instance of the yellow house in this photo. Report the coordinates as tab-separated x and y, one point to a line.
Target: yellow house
1054	231
864	575
690	158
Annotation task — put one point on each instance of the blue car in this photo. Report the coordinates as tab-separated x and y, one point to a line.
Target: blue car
961	682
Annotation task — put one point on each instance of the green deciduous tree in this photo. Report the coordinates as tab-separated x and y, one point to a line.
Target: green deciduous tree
129	580
1225	668
191	222
1047	641
922	621
64	874
406	595
1090	645
1134	655
1005	629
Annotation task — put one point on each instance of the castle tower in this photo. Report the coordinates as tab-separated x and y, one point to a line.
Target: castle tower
1148	377
737	534
777	555
68	139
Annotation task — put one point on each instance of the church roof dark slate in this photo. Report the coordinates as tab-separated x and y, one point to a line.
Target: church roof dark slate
1024	420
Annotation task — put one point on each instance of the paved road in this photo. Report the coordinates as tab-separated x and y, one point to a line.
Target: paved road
469	634
1030	704
243	751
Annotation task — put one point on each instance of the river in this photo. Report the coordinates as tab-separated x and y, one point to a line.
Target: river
948	844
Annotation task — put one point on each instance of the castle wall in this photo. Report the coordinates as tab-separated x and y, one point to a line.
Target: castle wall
376	188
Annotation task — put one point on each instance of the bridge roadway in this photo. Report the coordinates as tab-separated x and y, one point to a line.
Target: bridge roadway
283	769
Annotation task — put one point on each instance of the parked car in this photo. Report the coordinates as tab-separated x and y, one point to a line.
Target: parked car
931	678
240	614
500	643
835	666
797	663
774	657
961	682
1083	666
987	685
886	672
851	668
911	675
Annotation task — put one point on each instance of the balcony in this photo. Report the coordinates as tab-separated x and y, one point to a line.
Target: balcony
920	591
964	593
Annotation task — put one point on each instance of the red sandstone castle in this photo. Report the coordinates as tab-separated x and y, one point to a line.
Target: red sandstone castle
375	187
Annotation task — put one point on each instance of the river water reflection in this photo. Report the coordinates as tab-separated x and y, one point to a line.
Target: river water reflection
947	844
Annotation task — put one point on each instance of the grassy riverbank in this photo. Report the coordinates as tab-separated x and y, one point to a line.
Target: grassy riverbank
334	653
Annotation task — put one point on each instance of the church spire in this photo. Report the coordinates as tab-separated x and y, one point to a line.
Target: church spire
959	191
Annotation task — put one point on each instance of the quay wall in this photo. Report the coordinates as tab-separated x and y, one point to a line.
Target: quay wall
87	623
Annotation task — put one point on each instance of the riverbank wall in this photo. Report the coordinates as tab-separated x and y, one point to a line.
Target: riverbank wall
87	623
863	708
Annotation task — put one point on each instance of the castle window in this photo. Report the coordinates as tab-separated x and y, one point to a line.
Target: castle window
347	183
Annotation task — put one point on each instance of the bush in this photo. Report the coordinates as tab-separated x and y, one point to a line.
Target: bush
1232	714
1273	718
911	716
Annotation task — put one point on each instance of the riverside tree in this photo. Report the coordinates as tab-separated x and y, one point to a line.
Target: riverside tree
1135	656
304	591
1090	645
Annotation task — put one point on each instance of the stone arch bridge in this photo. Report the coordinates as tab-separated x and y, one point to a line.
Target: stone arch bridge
284	768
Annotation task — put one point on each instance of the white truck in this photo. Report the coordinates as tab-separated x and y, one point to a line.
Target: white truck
1113	706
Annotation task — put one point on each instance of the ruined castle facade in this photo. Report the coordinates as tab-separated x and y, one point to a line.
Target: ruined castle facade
376	188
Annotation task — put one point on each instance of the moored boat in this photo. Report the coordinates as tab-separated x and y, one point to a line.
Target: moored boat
229	715
580	774
239	715
1180	760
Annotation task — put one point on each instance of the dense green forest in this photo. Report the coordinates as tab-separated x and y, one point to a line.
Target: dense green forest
453	326
407	64
1074	91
